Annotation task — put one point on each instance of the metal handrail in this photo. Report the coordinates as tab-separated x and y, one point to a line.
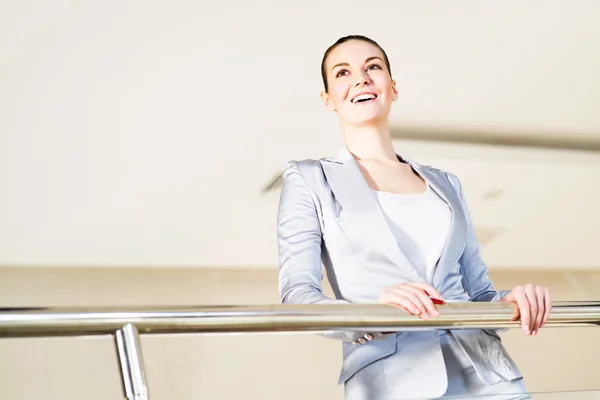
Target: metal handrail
126	324
32	322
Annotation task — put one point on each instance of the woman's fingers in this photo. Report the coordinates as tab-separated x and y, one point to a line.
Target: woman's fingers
547	306
517	315
408	297
424	299
412	298
427	288
524	310
530	292
398	299
540	293
533	306
407	303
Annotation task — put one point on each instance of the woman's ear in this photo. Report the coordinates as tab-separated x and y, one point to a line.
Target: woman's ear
394	90
326	99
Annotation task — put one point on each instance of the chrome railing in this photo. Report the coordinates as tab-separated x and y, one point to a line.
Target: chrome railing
126	325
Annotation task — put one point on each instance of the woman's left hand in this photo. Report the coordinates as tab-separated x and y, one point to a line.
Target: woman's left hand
533	306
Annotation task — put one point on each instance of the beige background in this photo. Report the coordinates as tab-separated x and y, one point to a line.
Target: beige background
231	367
144	133
138	134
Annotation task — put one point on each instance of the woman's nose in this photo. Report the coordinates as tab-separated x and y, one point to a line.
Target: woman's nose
363	79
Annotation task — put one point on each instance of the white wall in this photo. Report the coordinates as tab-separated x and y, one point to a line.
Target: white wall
141	133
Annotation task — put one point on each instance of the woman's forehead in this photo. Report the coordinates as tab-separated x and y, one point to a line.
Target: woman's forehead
352	52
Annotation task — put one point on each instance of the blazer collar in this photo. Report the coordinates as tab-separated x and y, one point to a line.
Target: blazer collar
457	234
344	156
354	195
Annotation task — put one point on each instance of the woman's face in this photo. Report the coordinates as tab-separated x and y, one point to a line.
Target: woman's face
361	90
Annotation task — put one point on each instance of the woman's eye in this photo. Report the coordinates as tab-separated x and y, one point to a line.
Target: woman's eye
374	66
341	72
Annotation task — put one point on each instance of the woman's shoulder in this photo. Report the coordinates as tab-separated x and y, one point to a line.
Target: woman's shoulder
442	173
307	170
314	165
303	163
343	156
430	168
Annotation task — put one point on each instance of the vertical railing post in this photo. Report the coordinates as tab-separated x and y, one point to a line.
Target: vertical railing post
132	366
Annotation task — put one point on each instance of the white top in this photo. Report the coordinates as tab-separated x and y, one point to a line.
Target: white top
423	219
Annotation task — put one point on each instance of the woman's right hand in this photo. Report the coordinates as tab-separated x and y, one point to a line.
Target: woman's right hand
413	297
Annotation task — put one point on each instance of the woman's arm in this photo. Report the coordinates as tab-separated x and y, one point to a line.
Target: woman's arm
300	238
473	268
533	302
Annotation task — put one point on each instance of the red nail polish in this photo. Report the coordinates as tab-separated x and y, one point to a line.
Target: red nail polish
436	301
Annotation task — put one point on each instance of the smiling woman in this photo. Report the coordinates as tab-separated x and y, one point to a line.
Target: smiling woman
365	60
392	231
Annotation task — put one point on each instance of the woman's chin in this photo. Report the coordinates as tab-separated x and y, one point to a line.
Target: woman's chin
369	120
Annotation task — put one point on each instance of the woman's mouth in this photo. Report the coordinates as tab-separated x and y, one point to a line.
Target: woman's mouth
364	98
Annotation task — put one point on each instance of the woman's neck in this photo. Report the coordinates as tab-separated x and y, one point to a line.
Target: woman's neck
370	143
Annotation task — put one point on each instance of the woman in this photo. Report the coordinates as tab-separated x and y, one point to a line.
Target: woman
392	231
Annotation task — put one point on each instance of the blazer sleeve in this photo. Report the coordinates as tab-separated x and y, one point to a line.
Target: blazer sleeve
476	279
299	240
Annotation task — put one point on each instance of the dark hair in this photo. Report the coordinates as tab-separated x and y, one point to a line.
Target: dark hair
344	40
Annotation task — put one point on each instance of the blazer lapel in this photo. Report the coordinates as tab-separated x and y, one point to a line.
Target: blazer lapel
354	195
457	233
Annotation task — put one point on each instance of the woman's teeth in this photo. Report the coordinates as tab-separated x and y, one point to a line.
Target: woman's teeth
363	97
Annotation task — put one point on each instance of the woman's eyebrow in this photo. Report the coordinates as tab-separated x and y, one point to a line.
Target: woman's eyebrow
373	58
345	64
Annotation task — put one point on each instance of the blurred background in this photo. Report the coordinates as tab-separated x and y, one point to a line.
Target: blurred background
141	144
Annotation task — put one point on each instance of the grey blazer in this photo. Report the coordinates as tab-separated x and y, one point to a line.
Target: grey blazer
327	215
